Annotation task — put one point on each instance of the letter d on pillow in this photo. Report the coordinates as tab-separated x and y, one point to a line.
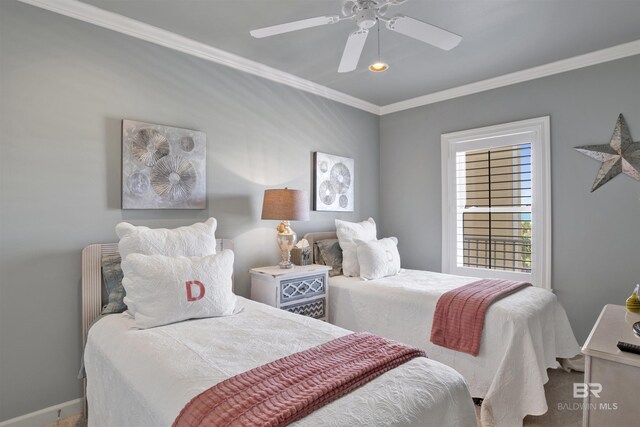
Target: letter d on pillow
190	285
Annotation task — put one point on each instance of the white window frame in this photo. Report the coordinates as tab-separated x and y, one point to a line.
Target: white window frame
536	131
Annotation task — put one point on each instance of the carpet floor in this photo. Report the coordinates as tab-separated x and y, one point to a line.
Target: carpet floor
559	390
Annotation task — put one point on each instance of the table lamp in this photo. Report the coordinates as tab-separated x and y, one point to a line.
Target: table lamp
286	205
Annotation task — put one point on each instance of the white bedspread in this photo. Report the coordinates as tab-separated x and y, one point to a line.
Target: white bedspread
145	377
523	335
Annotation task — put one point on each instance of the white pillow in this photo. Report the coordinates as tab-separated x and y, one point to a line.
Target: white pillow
167	290
198	239
379	258
347	232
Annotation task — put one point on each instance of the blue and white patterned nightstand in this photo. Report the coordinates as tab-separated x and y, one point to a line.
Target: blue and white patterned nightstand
301	290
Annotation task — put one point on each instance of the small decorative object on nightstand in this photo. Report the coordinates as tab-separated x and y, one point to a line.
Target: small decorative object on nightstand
302	254
301	290
633	302
610	388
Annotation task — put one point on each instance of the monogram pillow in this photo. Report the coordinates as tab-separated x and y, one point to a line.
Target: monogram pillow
378	258
167	290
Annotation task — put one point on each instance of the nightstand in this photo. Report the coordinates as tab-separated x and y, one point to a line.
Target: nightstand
611	397
301	290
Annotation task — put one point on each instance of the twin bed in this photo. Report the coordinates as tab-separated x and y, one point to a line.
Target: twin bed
524	334
144	377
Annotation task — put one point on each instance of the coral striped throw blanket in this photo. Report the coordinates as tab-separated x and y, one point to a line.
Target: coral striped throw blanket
287	389
459	317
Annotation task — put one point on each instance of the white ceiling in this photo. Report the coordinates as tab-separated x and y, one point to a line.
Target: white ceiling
500	37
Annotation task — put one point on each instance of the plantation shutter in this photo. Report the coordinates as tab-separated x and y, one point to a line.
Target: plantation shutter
496	202
493	208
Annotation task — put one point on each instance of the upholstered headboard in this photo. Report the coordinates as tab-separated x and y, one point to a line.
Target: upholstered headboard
92	279
312	238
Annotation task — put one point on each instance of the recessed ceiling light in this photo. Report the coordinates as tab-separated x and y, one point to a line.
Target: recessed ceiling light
378	67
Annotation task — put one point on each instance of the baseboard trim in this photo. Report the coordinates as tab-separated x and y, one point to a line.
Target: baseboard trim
46	416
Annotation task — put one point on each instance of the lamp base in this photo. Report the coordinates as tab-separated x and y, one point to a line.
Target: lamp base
286	241
285	264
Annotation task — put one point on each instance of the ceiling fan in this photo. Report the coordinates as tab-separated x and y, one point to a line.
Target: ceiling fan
366	14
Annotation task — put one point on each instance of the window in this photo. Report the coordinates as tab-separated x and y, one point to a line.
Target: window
496	208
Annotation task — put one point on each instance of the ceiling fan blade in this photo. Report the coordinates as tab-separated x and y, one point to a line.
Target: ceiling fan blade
424	32
353	50
294	26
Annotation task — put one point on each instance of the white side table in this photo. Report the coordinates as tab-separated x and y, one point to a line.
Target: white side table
301	290
613	375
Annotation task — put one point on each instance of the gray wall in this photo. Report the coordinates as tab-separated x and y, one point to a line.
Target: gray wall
65	87
596	236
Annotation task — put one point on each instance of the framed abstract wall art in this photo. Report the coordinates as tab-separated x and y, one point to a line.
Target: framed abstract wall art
333	181
163	167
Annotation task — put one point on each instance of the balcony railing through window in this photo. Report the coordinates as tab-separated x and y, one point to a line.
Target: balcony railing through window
497	254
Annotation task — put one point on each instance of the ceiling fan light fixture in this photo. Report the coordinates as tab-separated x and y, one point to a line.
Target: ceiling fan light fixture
366	14
378	67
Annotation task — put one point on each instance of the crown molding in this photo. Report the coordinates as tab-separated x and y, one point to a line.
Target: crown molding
597	57
131	27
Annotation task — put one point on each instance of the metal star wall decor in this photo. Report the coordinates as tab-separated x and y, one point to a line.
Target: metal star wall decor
621	155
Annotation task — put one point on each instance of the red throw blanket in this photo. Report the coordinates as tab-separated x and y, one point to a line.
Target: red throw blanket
285	390
459	317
